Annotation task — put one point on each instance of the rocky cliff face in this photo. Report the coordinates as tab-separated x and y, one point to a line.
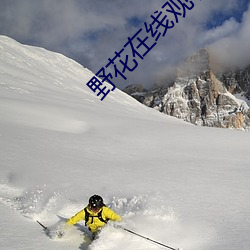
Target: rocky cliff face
201	97
237	81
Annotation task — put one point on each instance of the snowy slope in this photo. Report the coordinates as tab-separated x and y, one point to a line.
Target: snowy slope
182	185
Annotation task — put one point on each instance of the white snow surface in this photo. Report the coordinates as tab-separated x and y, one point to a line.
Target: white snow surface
182	185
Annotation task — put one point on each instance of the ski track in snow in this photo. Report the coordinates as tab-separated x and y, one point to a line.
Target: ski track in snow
145	214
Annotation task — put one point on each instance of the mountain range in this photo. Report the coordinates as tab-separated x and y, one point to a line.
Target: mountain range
202	94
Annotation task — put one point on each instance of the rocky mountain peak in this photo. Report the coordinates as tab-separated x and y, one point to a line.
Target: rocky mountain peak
197	64
200	96
237	81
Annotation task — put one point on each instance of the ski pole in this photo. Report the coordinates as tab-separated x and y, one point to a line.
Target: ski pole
45	228
146	238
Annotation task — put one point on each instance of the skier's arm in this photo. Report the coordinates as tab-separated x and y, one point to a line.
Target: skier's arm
77	217
110	214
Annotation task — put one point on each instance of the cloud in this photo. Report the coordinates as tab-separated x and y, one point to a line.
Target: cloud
226	29
233	49
90	31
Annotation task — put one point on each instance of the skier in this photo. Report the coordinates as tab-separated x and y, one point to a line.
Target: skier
95	214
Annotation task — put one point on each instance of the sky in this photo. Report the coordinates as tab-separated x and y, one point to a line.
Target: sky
91	31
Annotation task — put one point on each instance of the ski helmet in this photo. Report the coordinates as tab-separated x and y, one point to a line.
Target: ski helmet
95	202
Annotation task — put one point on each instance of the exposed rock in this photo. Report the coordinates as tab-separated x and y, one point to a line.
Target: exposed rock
134	88
198	96
137	91
237	81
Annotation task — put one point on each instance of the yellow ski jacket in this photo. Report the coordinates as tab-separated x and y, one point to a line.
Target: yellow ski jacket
94	223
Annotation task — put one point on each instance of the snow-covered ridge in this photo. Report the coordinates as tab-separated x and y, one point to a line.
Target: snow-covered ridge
35	66
40	76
